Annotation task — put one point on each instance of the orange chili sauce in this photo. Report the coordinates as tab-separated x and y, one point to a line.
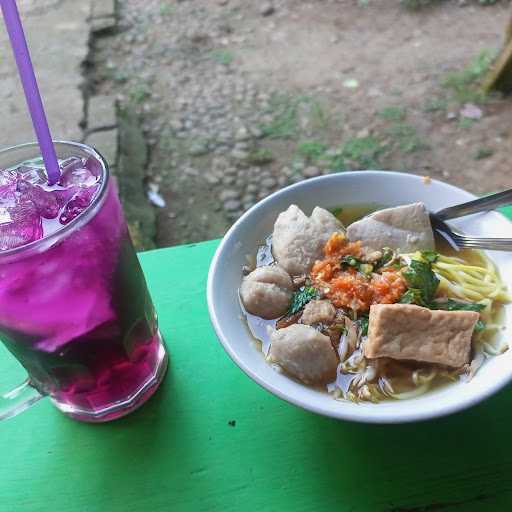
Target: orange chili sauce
346	287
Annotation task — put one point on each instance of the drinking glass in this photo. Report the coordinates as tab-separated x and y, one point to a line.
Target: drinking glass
75	309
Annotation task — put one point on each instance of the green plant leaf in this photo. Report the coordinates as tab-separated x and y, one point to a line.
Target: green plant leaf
419	275
364	322
456	305
430	256
301	297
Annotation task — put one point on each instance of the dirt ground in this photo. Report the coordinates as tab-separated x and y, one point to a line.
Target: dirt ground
239	98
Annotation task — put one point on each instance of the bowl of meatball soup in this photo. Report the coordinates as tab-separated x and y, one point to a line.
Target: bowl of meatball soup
338	296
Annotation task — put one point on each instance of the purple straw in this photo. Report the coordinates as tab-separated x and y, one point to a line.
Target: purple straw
32	95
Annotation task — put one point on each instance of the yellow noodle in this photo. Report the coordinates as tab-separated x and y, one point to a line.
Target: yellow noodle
487	285
450	259
413	393
451	264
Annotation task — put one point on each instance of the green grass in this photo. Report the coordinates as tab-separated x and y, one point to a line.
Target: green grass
483	152
224	57
364	152
414	5
311	150
354	153
119	76
466	123
284	124
436	105
169	143
288	110
393	113
407	138
260	156
166	9
139	93
319	116
464	84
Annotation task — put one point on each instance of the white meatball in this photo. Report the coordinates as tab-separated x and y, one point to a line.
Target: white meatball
304	353
326	221
298	240
267	292
404	227
318	311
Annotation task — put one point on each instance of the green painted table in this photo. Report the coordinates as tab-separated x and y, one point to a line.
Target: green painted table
212	440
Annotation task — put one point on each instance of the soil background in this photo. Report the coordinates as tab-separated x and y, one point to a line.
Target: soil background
238	98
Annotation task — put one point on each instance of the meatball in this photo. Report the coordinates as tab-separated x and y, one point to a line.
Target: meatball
267	292
304	353
318	311
404	227
298	240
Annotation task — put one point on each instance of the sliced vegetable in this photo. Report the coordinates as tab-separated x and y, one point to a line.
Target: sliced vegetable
363	325
351	261
456	305
366	268
387	256
412	296
301	297
419	276
480	326
430	256
337	212
361	266
423	286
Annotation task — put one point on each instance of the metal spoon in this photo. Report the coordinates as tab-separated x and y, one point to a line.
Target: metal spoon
477	205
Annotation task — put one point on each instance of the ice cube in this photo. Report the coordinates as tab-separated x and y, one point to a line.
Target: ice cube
94	166
33	175
25	226
44	200
81	177
77	205
7	188
69	164
7	177
5	216
64	195
77	174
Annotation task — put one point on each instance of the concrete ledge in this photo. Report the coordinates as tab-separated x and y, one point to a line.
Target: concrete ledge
106	142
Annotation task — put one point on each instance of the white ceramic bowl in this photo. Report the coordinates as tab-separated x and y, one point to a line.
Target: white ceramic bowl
383	188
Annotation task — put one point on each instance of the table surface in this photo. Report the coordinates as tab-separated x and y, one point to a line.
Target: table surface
213	440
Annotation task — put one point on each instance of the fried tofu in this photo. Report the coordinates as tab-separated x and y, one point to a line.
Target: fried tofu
406	331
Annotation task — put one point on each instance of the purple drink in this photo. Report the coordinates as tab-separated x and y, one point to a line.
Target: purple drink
74	306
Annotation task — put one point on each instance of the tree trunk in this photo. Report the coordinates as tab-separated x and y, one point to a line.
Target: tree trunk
499	76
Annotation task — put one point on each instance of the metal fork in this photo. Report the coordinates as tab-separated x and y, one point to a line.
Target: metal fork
478	205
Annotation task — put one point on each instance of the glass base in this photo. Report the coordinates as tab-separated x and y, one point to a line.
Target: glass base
121	407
